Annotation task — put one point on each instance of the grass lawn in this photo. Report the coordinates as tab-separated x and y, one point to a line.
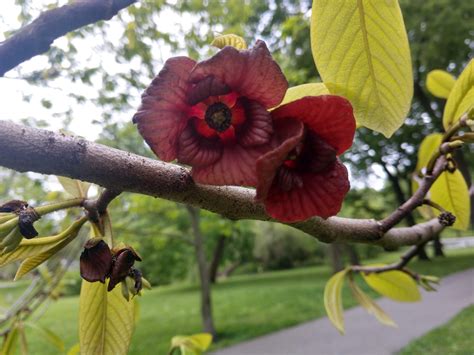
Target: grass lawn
244	306
453	338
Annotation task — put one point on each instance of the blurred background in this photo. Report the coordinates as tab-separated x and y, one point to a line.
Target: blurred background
90	83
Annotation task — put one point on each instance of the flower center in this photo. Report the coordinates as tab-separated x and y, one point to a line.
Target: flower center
218	116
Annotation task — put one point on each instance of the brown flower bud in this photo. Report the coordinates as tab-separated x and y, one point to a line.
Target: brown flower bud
13	206
123	261
96	260
26	217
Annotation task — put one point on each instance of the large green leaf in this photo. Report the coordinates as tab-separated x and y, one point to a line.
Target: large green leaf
106	320
333	299
428	147
394	284
451	192
461	97
297	92
369	305
440	83
75	188
361	51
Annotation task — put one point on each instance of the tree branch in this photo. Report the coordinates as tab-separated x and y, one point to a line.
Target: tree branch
30	149
37	37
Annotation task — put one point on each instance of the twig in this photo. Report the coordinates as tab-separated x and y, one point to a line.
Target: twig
37	37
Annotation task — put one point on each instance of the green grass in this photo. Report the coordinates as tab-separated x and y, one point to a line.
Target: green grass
244	306
454	338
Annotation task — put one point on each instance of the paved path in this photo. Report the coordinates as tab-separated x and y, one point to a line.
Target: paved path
364	335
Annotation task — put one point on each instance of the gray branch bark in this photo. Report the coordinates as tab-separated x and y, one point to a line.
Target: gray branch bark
30	149
37	37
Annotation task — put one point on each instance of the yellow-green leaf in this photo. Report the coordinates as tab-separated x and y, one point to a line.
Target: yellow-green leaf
229	40
193	344
76	188
9	345
106	320
428	147
451	192
440	83
461	98
333	299
369	305
31	247
394	284
361	50
74	350
297	92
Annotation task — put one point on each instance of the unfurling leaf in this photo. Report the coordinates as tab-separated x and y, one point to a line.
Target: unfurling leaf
450	191
440	83
229	40
106	320
193	344
393	284
333	299
76	188
361	50
369	305
298	92
461	98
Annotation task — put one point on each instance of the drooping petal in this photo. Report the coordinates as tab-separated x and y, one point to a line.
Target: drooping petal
162	115
258	127
235	167
252	73
320	195
330	117
209	86
197	150
288	134
121	268
95	260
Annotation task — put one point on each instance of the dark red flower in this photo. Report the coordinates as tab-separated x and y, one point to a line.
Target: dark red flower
123	261
213	115
95	261
301	176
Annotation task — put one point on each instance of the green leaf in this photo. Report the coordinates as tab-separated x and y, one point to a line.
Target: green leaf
428	147
361	51
193	344
76	188
333	299
368	304
49	335
440	83
461	98
31	247
394	284
297	92
451	192
106	320
74	350
229	40
9	345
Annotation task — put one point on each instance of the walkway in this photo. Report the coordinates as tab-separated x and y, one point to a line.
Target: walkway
364	335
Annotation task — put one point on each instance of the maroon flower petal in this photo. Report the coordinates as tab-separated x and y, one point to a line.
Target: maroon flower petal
317	155
162	115
209	86
258	127
196	150
329	116
320	195
288	134
235	167
121	268
95	261
252	73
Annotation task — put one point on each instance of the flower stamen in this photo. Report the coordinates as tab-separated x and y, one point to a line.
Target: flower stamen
218	117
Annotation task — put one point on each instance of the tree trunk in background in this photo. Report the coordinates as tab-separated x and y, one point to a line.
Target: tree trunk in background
206	304
438	246
410	219
230	269
351	252
216	259
335	257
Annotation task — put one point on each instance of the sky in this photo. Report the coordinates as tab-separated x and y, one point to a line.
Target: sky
14	89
